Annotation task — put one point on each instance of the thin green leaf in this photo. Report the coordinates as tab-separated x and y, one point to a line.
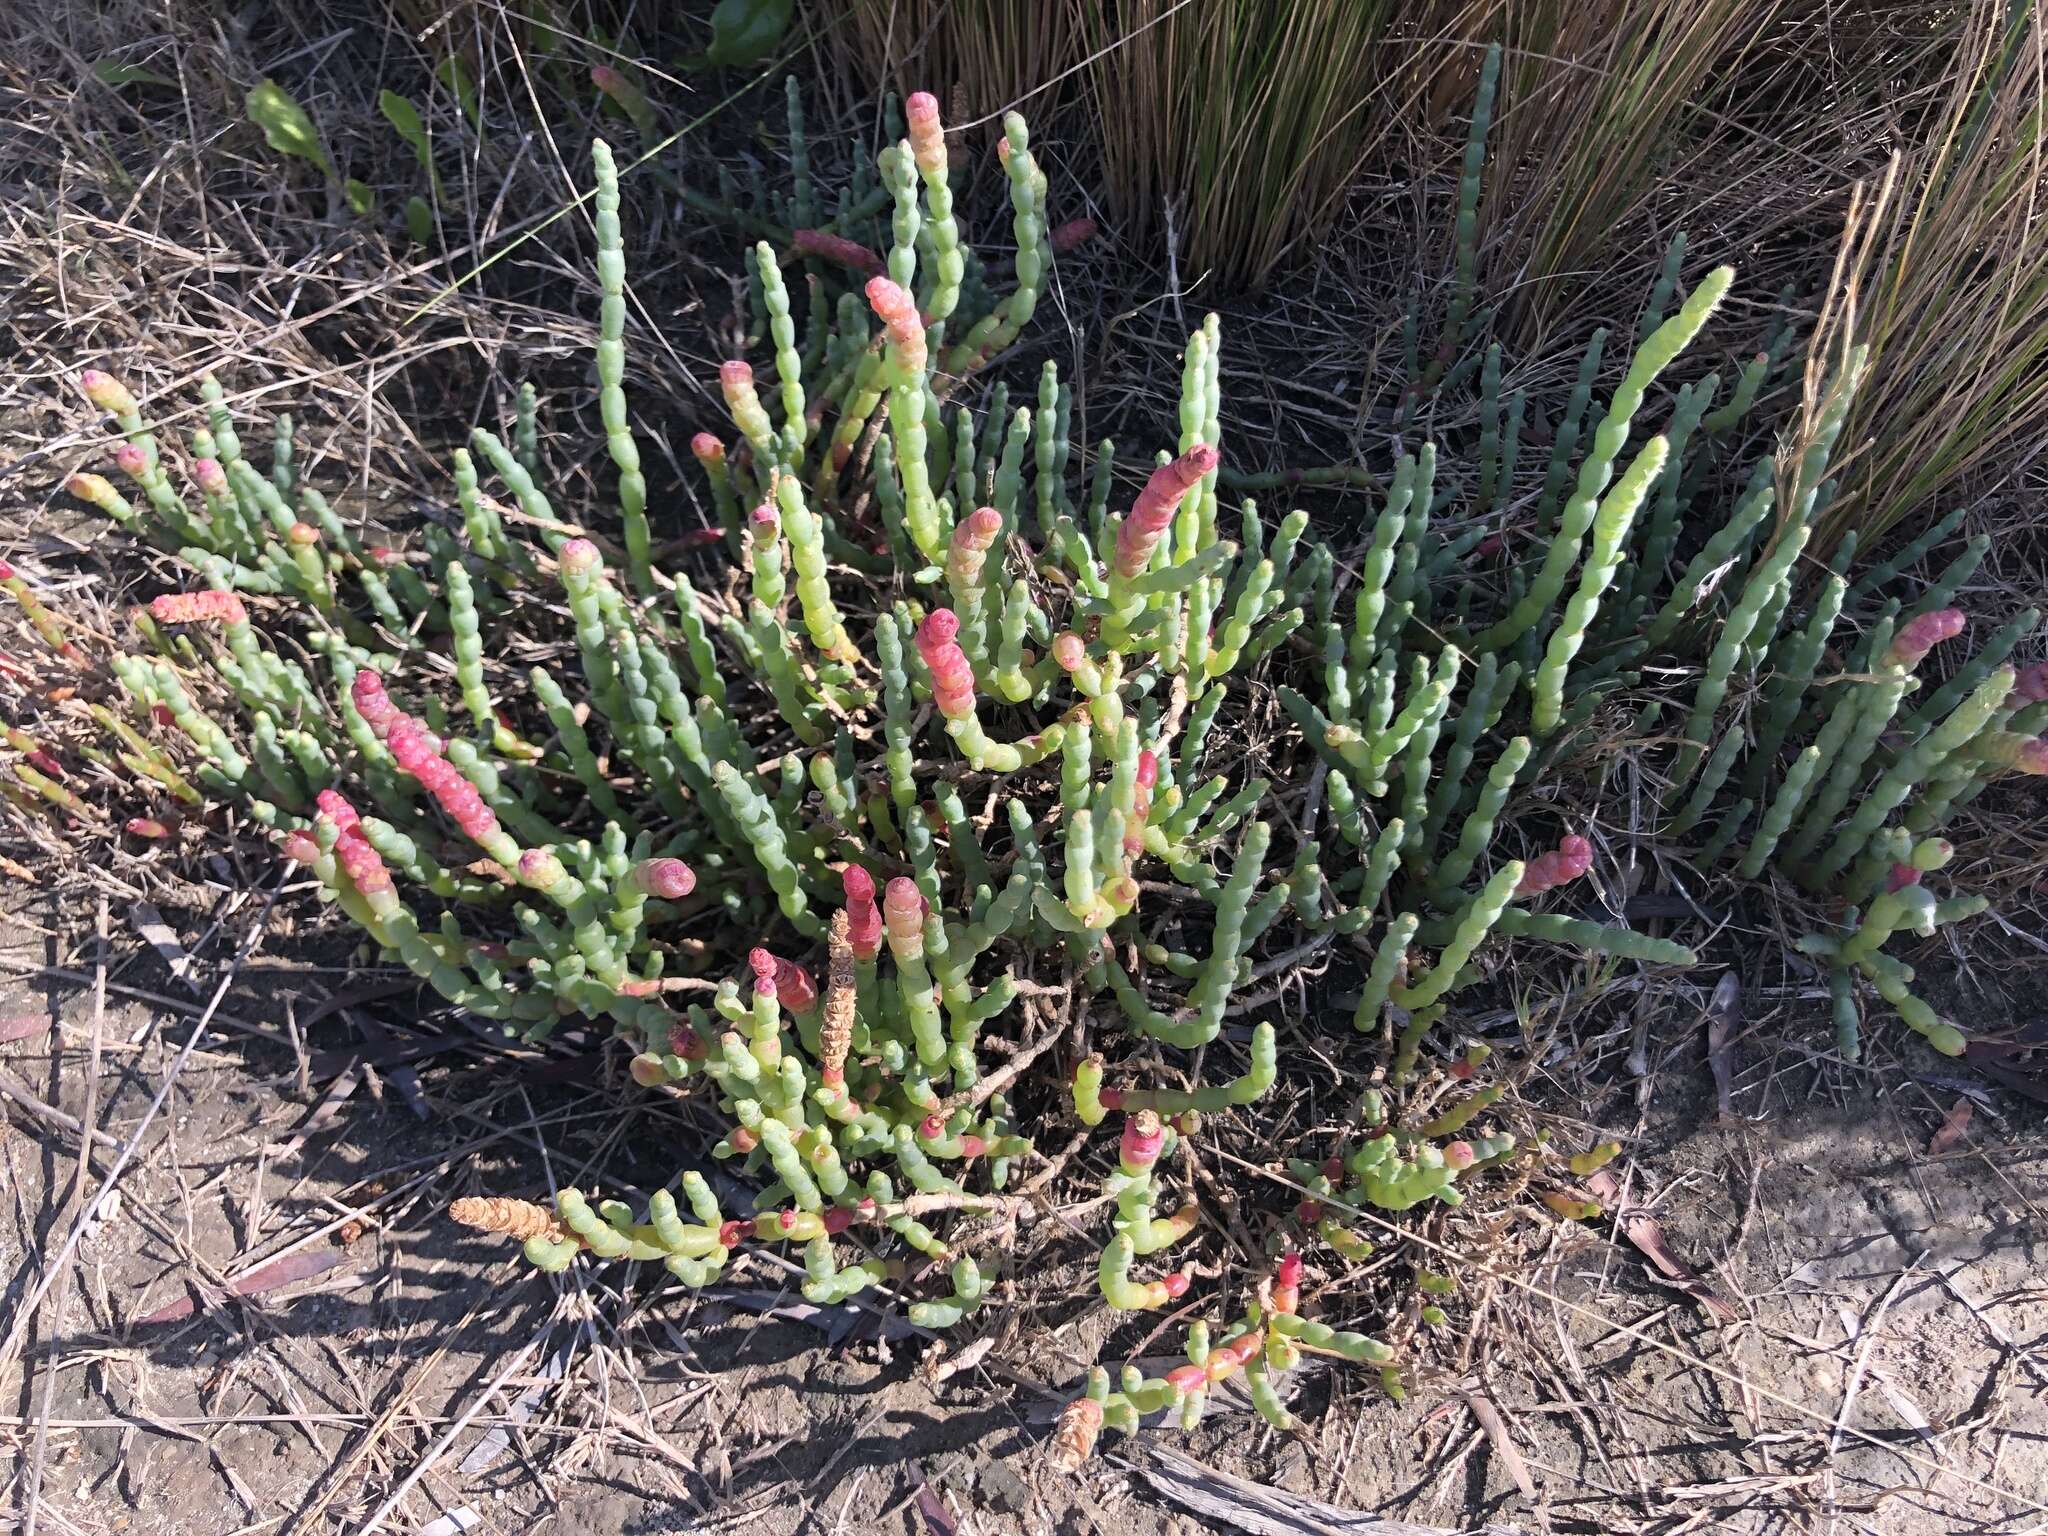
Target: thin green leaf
626	96
286	127
362	202
744	32
456	79
402	115
112	72
419	221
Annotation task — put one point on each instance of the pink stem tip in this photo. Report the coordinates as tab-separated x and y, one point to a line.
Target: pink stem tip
1152	513
1144	1138
903	910
863	917
927	134
373	703
1920	635
952	676
199	607
107	392
899	317
1570	859
764	968
668	879
827	246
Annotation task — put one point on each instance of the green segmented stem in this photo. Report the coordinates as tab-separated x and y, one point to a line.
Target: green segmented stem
1795	661
520	482
282	473
1910	906
1473	926
1001	326
526	410
1772	573
1880	576
969	1291
1386	966
806	536
1747	385
1467	228
1598	938
1848	1018
1664	287
756	818
1123	1293
1320	1336
575	743
1048	457
789	366
920	506
1913	766
468	645
1485	495
1237	629
1491	687
1464	1112
1777	820
1558	471
1890	980
1686	410
899	175
697	642
1611	526
1722	546
1959	570
1212	988
1477	833
1669	339
1247	1088
1712	775
611	370
1729	828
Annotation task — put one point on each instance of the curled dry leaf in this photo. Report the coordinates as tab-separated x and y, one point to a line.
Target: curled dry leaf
1951	1130
1641	1229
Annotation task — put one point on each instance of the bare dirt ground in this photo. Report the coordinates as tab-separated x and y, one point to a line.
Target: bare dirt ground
1864	1346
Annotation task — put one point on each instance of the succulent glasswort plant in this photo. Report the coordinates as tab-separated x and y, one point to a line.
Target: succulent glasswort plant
944	721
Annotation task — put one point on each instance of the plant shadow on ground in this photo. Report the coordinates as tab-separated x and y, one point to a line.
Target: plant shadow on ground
1880	1287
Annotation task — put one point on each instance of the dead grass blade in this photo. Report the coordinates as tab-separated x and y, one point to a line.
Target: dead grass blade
1222	1500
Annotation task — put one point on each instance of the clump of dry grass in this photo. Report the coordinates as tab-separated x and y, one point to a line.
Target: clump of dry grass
1237	127
1956	313
1614	128
978	56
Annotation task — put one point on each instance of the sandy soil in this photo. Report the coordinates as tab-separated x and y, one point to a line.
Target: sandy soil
1883	1367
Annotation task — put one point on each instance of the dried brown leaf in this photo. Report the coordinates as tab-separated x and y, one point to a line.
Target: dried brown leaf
1724	1022
1951	1130
302	1265
1642	1230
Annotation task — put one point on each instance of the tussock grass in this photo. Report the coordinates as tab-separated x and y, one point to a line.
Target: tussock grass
1956	309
